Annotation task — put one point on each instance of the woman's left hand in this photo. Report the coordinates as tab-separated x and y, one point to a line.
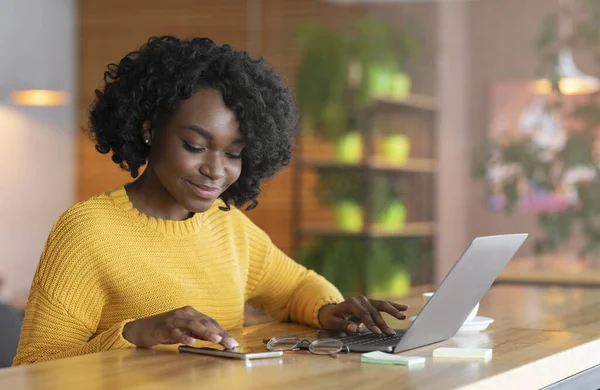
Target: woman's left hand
348	315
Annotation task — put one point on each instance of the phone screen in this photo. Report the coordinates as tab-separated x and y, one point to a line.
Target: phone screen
243	350
237	353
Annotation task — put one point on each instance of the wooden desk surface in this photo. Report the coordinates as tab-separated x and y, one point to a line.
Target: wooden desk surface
541	335
558	269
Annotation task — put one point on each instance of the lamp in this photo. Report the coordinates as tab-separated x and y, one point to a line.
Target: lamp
377	2
39	97
571	80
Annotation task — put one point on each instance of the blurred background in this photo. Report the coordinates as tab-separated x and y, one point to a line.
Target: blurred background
423	125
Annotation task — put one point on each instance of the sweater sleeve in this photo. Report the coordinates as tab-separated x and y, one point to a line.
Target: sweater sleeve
50	332
66	298
285	289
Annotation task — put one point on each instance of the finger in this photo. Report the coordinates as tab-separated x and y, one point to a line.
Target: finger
365	316
205	328
342	318
376	315
387	307
338	323
211	330
350	317
184	319
399	306
178	336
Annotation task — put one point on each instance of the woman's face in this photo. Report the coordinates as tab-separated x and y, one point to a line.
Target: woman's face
196	152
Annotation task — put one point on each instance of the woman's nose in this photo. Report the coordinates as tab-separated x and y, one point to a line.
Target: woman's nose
213	166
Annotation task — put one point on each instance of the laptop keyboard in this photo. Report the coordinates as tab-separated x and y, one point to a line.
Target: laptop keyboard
373	339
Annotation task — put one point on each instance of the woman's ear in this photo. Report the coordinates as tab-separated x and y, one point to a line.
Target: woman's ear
147	132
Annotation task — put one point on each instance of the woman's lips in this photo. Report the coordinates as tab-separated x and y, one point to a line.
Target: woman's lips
204	192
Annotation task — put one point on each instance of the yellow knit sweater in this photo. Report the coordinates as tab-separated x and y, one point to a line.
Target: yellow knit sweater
105	264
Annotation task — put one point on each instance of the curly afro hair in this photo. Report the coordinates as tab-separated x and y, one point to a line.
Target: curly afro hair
149	83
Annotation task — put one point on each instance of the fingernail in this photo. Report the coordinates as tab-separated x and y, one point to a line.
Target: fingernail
190	340
352	328
215	338
377	330
391	331
229	343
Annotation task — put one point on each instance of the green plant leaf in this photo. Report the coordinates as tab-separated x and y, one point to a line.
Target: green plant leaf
325	97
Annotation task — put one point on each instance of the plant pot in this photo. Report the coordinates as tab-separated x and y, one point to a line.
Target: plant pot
349	216
393	217
380	81
401	85
349	148
396	148
398	285
386	82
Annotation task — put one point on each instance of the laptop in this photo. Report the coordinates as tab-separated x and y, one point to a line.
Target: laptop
445	312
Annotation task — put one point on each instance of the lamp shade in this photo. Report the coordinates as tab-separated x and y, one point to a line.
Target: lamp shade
571	80
39	97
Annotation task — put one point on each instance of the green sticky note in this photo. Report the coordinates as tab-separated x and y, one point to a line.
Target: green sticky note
378	357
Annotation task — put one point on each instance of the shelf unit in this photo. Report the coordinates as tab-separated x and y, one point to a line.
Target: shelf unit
411	229
423	165
413	116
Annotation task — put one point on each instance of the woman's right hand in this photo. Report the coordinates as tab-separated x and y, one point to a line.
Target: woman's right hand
183	325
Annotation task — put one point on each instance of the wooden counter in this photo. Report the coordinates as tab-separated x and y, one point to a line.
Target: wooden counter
540	336
556	269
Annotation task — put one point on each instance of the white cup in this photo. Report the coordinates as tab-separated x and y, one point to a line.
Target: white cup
472	315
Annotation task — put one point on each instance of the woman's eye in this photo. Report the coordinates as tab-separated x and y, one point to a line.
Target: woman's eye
234	155
192	149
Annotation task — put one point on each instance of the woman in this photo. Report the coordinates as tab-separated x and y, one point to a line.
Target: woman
169	258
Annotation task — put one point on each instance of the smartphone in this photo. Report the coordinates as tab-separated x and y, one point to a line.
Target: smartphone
239	353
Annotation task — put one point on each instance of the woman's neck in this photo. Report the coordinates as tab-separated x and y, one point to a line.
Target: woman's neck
150	197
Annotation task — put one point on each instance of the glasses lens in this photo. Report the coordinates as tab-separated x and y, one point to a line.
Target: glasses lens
326	346
283	343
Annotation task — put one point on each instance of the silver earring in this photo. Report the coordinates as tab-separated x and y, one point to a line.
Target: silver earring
147	141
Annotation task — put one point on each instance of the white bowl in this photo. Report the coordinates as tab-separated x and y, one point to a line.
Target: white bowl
471	315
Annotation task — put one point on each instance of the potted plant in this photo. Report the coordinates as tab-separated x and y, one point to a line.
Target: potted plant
389	211
339	259
390	266
345	193
396	148
341	72
382	268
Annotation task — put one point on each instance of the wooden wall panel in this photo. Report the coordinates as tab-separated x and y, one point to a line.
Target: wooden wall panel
111	28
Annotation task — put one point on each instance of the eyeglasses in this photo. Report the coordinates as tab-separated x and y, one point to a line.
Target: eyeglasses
317	347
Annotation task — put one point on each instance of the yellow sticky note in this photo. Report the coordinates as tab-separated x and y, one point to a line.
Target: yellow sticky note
379	357
463	353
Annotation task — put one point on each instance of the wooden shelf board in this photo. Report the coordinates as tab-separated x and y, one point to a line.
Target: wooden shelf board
413	229
424	165
423	102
